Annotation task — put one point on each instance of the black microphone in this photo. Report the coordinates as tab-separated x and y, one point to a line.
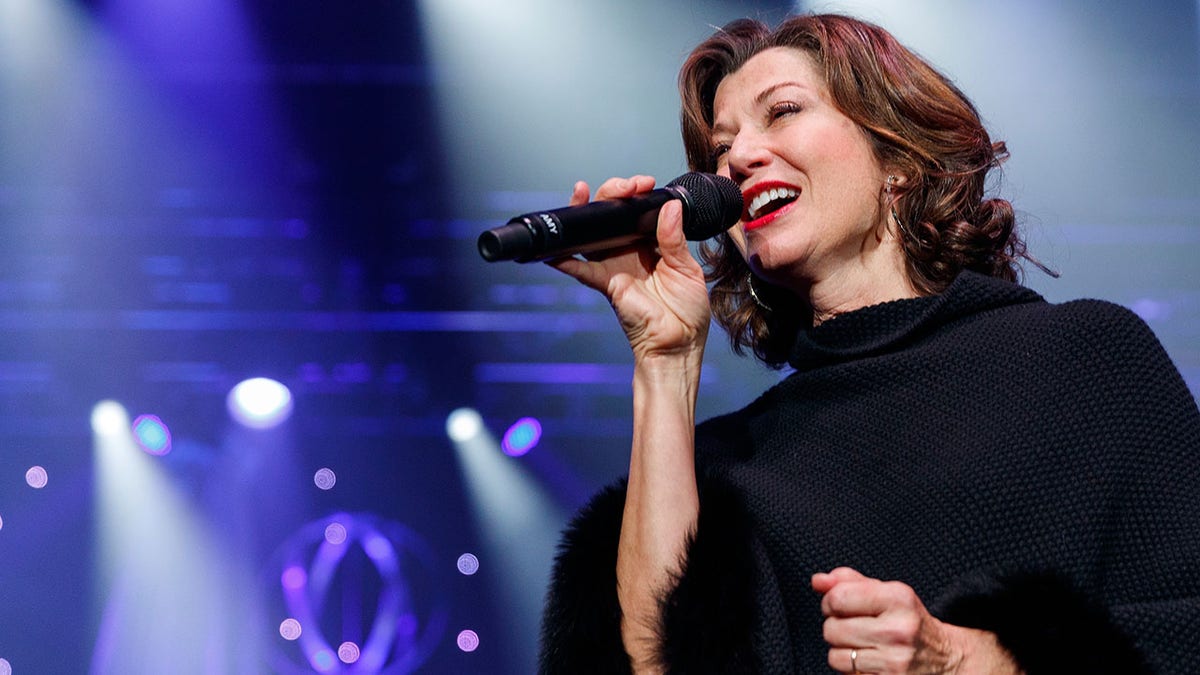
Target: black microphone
711	205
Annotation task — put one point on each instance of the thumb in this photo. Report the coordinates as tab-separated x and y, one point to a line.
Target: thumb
823	581
672	245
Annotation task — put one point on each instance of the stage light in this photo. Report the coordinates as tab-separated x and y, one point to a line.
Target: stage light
260	403
323	660
36	477
335	534
468	640
290	629
463	425
348	652
468	564
152	435
294	578
521	437
325	478
109	419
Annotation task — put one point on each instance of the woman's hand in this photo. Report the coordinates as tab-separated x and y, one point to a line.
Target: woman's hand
658	292
875	626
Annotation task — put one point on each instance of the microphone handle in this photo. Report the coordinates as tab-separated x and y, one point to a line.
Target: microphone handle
595	226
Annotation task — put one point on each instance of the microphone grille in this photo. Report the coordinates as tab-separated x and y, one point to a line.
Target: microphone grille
714	204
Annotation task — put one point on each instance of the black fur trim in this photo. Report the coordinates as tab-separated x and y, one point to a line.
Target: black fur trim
708	619
581	625
1045	622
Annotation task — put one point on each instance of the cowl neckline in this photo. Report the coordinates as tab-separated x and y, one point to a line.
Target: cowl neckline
877	328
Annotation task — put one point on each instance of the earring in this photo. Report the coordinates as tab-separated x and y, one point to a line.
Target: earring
754	294
891	181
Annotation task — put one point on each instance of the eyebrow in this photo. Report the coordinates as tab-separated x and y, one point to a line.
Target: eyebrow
762	97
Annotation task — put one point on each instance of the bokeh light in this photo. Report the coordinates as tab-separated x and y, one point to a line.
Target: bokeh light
290	629
325	478
323	660
468	640
521	437
152	435
468	564
260	403
36	477
294	578
348	652
335	533
5	667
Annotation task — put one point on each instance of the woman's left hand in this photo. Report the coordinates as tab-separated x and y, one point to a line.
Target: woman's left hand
875	626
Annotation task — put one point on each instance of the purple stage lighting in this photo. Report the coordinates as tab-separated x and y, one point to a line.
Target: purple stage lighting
152	435
294	578
521	437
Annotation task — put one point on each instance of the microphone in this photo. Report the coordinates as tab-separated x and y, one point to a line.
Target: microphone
711	205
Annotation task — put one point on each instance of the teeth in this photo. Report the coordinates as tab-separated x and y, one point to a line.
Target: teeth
767	196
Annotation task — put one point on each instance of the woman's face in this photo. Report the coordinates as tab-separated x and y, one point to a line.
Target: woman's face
812	185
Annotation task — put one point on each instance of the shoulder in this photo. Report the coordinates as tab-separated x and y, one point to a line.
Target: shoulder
1078	328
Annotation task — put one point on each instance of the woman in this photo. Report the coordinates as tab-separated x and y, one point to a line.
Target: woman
957	478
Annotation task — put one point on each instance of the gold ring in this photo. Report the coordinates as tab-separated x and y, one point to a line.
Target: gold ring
854	660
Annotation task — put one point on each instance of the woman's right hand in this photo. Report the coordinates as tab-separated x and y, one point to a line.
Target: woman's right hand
657	291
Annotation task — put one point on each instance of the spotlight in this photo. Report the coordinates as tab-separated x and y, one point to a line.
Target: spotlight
109	419
152	434
463	424
259	403
521	437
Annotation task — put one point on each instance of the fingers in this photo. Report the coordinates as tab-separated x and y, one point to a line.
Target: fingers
823	581
852	660
579	194
619	188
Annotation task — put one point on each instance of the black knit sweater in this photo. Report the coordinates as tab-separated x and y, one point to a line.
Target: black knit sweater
1030	469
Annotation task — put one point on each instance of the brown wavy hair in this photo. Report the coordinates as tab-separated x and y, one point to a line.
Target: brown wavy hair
920	126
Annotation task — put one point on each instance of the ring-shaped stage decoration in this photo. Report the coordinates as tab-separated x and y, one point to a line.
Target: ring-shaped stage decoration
377	588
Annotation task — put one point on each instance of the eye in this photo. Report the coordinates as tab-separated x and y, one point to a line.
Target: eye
718	153
782	109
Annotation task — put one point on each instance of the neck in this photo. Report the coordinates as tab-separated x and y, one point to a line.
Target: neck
855	287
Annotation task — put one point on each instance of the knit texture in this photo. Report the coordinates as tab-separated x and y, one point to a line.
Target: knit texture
985	447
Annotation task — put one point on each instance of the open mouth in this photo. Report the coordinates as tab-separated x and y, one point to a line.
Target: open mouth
769	201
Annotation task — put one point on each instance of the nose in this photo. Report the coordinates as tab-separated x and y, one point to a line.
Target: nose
747	153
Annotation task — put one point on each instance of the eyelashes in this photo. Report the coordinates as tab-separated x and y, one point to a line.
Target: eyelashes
773	113
782	109
717	153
